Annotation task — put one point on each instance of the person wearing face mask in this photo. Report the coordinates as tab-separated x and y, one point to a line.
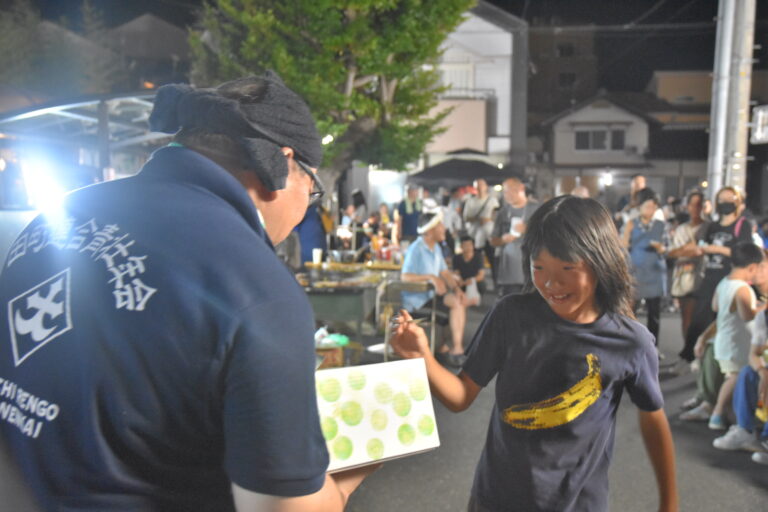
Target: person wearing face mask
715	245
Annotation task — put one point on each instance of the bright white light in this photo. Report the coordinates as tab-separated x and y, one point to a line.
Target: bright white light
2	164
43	191
606	179
385	186
500	166
327	139
497	188
704	184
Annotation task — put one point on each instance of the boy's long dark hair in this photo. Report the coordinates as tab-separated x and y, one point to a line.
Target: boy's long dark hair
574	229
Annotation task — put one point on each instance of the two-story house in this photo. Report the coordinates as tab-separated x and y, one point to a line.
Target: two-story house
484	69
479	63
661	133
602	142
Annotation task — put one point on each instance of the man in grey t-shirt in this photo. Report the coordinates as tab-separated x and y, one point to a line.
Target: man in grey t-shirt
508	230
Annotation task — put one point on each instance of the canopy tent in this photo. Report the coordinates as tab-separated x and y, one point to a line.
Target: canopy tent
54	147
458	172
102	125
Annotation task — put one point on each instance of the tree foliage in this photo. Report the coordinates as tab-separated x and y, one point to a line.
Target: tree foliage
366	67
22	49
102	70
45	59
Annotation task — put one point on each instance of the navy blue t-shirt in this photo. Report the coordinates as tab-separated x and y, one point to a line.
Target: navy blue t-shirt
154	349
410	220
468	269
558	386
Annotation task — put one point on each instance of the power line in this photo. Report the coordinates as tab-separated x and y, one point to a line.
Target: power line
631	29
624	28
640	41
647	13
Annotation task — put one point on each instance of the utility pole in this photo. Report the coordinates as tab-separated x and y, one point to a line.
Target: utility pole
731	85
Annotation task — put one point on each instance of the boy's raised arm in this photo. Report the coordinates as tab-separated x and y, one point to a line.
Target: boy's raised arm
455	392
661	451
744	304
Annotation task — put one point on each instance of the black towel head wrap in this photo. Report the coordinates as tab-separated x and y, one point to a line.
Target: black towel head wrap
259	112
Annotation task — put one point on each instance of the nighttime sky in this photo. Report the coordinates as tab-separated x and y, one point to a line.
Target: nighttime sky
627	57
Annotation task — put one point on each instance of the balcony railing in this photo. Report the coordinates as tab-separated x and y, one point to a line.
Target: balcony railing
475	94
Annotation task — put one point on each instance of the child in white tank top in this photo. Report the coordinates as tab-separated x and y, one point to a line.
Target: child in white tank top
735	303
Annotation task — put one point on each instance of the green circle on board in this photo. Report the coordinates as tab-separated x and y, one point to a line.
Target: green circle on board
356	380
375	448
406	434
342	448
418	389
401	404
329	389
351	413
330	428
426	425
383	393
379	419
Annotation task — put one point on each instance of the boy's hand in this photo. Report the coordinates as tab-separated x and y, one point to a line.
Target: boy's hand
762	387
409	340
701	346
657	438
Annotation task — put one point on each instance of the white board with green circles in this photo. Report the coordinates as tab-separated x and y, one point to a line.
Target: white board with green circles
375	412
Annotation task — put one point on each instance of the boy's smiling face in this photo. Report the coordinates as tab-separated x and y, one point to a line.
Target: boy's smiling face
568	287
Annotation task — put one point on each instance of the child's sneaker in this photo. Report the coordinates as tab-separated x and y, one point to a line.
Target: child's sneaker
676	369
760	458
690	403
738	438
717	422
699	413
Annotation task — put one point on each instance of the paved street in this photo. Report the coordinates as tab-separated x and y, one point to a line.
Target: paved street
709	479
439	481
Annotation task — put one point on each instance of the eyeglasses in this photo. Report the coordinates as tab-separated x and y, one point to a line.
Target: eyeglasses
317	187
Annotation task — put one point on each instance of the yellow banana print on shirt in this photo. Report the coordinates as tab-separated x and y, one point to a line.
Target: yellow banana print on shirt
560	409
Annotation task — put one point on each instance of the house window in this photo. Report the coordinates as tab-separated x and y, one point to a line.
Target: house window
566	80
565	50
582	140
617	139
598	140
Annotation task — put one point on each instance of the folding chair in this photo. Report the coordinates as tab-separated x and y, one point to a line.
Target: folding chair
391	300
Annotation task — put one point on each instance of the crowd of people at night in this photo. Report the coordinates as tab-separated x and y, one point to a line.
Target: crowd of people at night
171	402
